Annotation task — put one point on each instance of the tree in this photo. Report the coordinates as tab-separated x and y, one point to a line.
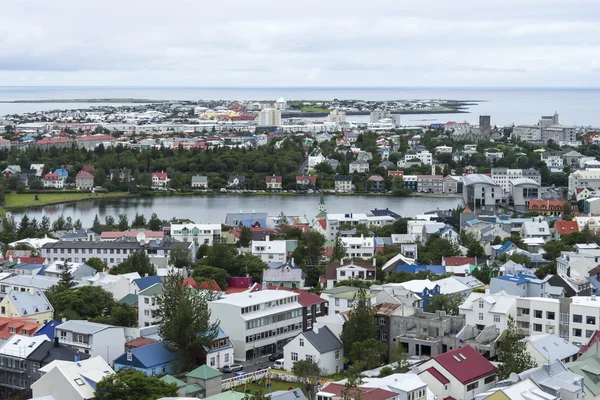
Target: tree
137	262
282	225
67	281
180	257
124	315
205	273
339	251
185	321
436	248
475	250
123	222
310	374
245	237
258	395
445	302
96	224
97	264
78	224
133	385
513	353
109	221
485	272
400	358
361	323
368	353
154	224
139	221
86	302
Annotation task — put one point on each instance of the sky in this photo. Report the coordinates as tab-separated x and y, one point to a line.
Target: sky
308	43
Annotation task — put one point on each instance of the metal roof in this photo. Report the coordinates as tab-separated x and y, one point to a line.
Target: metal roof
323	339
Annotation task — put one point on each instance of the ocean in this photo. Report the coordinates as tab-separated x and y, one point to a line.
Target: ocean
506	106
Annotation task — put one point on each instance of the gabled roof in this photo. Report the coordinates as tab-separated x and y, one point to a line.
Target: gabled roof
437	375
84	175
148	356
154	290
130	299
48	329
209	285
323	339
146	282
26	303
552	347
204	372
465	364
566	227
177	382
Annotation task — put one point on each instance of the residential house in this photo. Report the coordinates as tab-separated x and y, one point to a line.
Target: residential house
407	386
236	181
320	345
553	379
536	228
54	181
584	314
31	304
424	156
338	391
207	379
334	221
220	353
274	182
122	175
160	179
287	274
359	166
359	247
348	270
460	374
23	283
483	309
376	183
152	359
198	233
566	227
524	285
343	184
84	181
140	284
522	390
270	250
106	341
547	348
75	380
148	305
200	181
306	181
17	326
430	183
547	207
340	299
424	289
587	366
79	270
39	169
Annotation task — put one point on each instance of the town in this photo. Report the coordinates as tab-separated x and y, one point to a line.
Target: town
493	298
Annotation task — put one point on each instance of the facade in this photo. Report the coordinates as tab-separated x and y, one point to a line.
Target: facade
199	234
480	191
523	190
220	352
259	323
482	310
547	207
269	117
236	181
359	247
583	179
270	250
523	285
376	183
84	181
320	345
348	270
160	179
343	184
200	181
148	305
54	181
430	183
584	319
14	354
337	115
31	304
306	180
341	299
359	166
286	275
274	182
503	176
106	341
424	156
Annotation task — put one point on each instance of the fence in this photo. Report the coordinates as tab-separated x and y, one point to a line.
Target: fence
251	377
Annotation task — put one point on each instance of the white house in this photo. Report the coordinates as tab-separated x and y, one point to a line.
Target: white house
258	323
159	179
148	305
349	270
537	316
484	309
536	228
341	299
547	348
425	156
359	166
320	345
270	250
71	380
359	247
106	341
460	374
335	220
443	149
198	233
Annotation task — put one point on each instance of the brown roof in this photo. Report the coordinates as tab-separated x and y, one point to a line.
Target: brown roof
457	261
139	342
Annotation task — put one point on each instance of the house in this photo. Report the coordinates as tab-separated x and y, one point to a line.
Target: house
294	394
270	250
376	183
566	227
548	348
460	374
348	270
340	299
106	341
525	389
84	181
274	182
524	285
553	379
14	353
200	181
482	310
407	386
54	181
207	378
359	247
153	359
236	181
306	181
220	352
17	326
148	305
259	323
79	270
587	366
23	283
424	289
198	233
547	207
39	169
287	274
320	345
536	228
160	179
122	175
31	304
338	391
358	166
140	284
71	380
343	184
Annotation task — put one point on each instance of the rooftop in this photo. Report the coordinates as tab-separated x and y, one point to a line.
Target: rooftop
465	364
249	299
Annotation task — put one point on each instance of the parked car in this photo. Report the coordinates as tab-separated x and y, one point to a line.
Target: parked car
232	368
275	356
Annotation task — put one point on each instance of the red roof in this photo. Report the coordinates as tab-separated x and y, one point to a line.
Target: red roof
457	261
190	282
84	175
376	178
139	342
50	176
595	338
465	364
366	393
160	175
209	285
396	173
2	140
546	204
566	227
437	375
270	179
311	179
27	260
88	168
54	141
95	137
323	223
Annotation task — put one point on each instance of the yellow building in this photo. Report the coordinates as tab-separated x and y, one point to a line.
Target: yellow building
31	303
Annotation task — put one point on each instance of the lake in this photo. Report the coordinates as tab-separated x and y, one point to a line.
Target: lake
213	208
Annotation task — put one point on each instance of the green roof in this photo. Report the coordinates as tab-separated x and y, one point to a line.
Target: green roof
227	395
193	388
154	290
204	372
172	379
584	368
322	214
199	178
130	299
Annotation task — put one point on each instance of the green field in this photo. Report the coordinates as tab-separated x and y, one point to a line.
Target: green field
275	385
22	200
309	109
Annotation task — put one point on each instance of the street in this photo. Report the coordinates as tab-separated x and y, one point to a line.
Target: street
251	366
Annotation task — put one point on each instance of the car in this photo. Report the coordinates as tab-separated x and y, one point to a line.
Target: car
232	368
275	356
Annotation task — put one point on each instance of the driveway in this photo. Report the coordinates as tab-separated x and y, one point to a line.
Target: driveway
251	366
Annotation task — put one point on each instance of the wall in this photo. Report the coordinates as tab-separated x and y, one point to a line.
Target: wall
108	344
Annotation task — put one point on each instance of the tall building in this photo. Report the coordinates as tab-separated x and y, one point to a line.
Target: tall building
269	117
485	128
281	104
337	115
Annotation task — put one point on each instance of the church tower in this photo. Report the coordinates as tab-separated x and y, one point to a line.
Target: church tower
322	203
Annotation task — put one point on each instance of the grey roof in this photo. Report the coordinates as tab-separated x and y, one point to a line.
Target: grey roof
554	376
524	181
82	326
116	244
324	340
282	275
199	178
240	178
295	394
343	178
359	162
473	179
27	303
552	347
35	281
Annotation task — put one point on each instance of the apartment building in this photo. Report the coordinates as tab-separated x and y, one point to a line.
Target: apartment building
584	319
359	247
259	323
148	305
537	316
270	250
424	156
335	220
430	183
198	233
584	179
106	341
343	183
503	176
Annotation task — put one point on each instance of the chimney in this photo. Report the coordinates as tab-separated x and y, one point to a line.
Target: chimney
56	344
19	260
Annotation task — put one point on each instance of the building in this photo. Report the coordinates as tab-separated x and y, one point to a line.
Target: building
376	183
359	247
15	373
583	179
482	310
306	181
106	341
586	367
220	353
553	379
424	156
79	270
152	359
207	379
460	374
480	190
334	221
348	270
320	345
338	391
547	348
286	275
536	228
200	181
148	305
523	191
160	179
84	181
523	285
236	181
359	166
54	181
340	299
259	323
199	234
274	182
31	304
270	250
584	319
269	117
337	115
23	283
547	207
503	176
71	380
430	183
343	184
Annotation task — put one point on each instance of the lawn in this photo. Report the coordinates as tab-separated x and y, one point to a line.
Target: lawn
275	385
18	200
311	109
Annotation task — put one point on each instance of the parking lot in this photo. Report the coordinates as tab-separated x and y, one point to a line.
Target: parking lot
251	366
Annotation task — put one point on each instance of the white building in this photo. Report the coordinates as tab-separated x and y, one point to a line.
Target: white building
198	233
584	319
341	299
258	323
359	166
148	305
425	156
270	250
503	176
536	228
584	179
106	341
337	115
483	309
537	316
480	190
359	247
443	149
320	345
269	117
281	104
335	220
547	348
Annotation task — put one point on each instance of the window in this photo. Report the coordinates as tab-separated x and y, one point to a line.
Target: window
309	357
63	334
227	357
481	316
590	320
301	342
294	356
153	371
384	335
537	327
146	300
472	386
3	310
489	379
550	315
537	313
576	332
337	354
496	318
79	382
212	361
129	356
337	302
577	318
381	321
147	313
588	333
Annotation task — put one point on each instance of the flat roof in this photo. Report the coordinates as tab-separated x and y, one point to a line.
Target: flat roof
248	299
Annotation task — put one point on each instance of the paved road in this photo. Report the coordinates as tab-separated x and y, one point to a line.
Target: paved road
252	366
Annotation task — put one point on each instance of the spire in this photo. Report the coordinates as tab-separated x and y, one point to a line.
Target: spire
322	203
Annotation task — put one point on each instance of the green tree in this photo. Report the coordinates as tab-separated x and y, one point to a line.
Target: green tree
205	273
258	395
436	248
400	359
513	353
339	251
123	222
96	224
67	281
180	257
282	225
485	272
310	374
86	302
475	250
361	323
139	221
154	224
124	315
368	353
221	255
245	237
133	385
137	262
445	302
97	264
185	321
78	224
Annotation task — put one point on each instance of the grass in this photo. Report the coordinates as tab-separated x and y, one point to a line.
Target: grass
275	385
21	200
311	109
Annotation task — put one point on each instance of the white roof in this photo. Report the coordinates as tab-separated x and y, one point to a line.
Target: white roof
523	181
83	327
395	382
34	281
36	243
552	347
586	301
536	227
22	346
363	241
248	299
451	285
415	286
176	227
56	267
501	302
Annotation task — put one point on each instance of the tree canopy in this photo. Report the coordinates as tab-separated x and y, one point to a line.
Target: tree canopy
513	353
133	385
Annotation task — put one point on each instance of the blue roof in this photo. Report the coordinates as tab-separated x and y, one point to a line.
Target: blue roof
436	269
220	335
61	172
382	213
148	356
518	278
145	283
29	266
48	329
504	247
248	223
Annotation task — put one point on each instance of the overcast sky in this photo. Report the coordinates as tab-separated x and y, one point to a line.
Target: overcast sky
300	43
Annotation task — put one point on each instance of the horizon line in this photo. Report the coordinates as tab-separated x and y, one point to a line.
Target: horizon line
311	87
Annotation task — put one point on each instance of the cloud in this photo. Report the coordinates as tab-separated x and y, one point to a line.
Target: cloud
274	43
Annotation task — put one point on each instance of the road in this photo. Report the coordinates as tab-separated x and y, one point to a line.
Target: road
252	366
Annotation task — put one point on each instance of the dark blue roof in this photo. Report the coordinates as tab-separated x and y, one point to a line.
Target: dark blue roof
148	356
384	213
48	329
29	266
436	269
145	283
504	247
